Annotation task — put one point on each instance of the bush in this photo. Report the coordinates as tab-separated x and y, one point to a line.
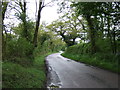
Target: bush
103	45
78	49
100	59
19	51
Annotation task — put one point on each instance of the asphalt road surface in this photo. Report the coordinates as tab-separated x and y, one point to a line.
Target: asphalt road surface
66	73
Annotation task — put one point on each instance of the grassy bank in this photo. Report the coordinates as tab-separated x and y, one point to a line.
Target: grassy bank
17	76
102	60
95	61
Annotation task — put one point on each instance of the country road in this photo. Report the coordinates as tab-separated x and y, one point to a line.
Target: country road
66	73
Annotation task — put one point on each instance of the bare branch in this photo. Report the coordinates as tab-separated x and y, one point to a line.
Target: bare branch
36	8
47	4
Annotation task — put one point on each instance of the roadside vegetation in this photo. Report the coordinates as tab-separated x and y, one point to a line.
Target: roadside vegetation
102	60
100	41
23	66
88	32
24	50
91	32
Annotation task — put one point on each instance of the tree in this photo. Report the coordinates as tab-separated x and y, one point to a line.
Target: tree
100	17
21	14
89	11
18	30
4	9
69	30
41	5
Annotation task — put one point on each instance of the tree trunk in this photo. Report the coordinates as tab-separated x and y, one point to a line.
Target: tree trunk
74	41
24	22
114	42
37	25
0	31
91	34
4	8
109	34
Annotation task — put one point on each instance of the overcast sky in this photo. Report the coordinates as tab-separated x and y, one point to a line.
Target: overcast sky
48	14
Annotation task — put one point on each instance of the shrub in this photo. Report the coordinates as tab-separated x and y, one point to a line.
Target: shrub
19	51
78	49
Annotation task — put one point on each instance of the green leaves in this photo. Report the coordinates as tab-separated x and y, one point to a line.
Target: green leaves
18	49
68	27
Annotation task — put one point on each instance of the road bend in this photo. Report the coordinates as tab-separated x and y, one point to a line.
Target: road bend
66	73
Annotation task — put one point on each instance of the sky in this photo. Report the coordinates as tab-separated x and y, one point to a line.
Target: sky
48	14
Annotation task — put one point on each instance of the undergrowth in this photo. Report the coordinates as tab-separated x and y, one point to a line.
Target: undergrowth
106	61
17	76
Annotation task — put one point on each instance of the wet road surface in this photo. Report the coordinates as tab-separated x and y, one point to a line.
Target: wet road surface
66	73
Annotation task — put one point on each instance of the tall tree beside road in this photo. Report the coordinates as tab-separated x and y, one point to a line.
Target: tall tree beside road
102	18
41	5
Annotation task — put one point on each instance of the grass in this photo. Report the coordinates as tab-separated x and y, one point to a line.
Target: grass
94	61
17	76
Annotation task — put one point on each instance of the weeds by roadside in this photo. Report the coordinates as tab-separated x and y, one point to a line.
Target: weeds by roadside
95	61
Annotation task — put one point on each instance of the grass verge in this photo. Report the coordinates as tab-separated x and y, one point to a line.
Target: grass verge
94	61
17	76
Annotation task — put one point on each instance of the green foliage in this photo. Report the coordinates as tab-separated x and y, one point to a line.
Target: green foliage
102	21
49	46
104	59
103	45
17	76
23	64
19	30
68	27
19	51
27	63
94	61
20	16
18	72
44	36
87	8
79	48
48	42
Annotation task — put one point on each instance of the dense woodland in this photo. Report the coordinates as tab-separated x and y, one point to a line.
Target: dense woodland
87	31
